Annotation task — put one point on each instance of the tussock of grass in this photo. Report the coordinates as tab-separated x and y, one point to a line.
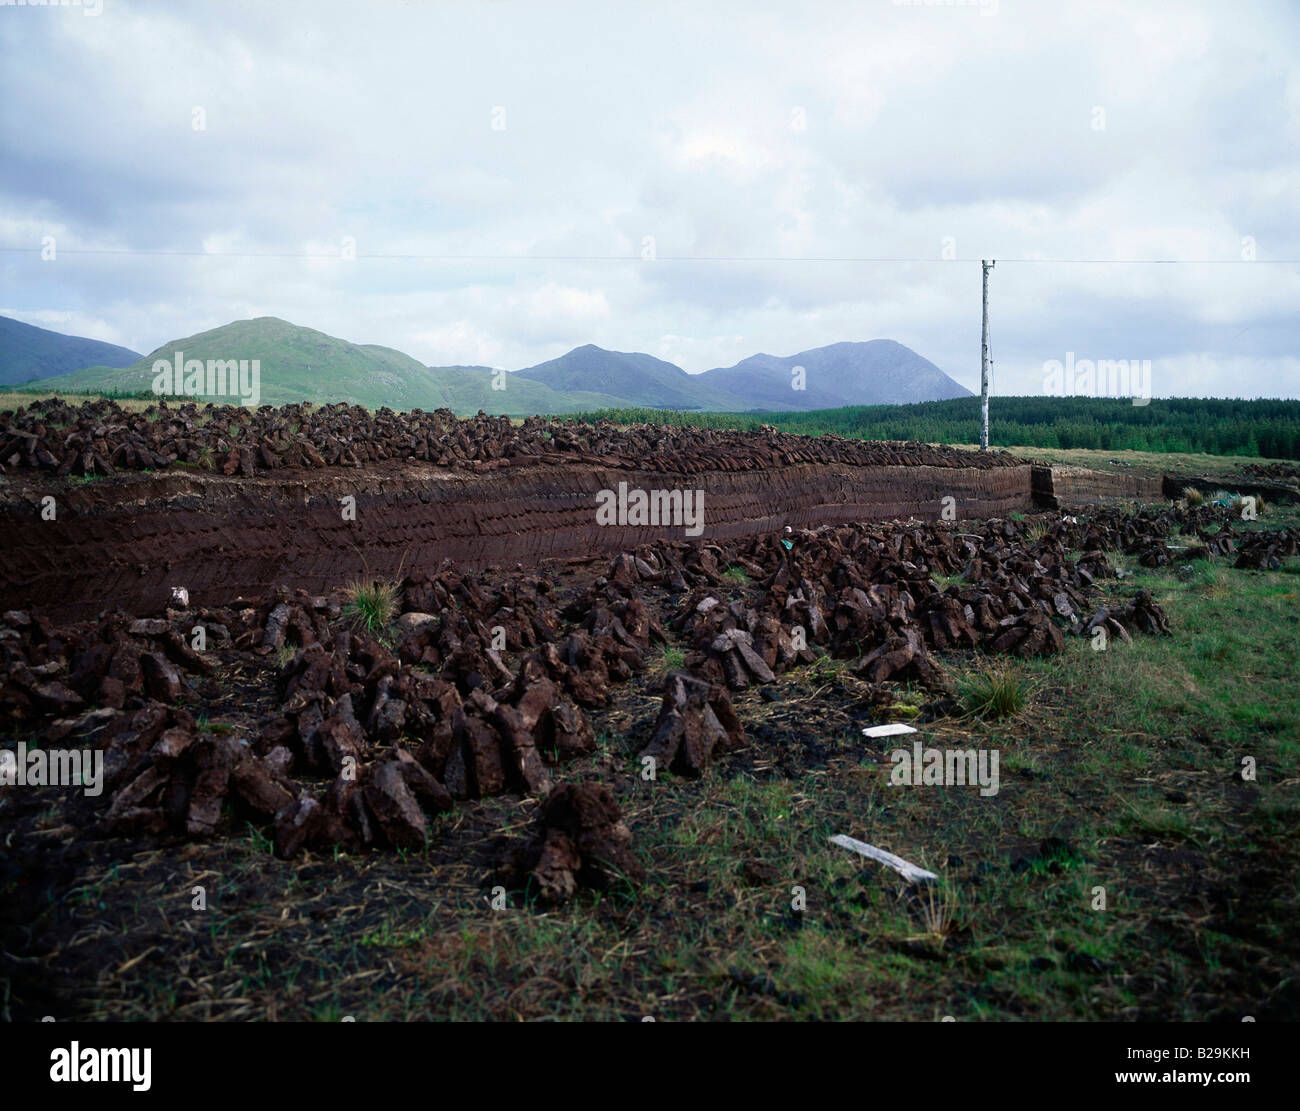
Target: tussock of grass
1212	582
936	906
995	694
1212	647
1035	532
1152	819
1193	496
371	606
825	669
670	659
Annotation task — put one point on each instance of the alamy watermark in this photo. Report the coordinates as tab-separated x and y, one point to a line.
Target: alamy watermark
676	508
53	767
182	377
91	1065
945	767
986	7
88	7
1102	378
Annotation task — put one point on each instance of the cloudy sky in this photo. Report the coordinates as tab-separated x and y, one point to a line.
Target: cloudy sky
501	168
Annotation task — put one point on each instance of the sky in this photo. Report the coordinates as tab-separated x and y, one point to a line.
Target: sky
494	182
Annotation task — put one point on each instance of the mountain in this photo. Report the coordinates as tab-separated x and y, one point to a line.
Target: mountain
642	380
468	389
295	364
28	352
299	364
877	372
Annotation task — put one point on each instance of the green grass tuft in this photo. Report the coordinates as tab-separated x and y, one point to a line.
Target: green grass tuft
671	659
995	694
371	606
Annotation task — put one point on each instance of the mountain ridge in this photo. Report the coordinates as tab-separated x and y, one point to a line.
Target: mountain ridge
31	353
300	363
900	376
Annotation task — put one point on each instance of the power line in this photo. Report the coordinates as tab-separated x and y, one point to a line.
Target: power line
638	258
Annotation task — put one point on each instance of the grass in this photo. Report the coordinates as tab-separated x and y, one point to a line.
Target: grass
936	906
906	704
14	399
823	671
1131	462
1035	532
994	694
371	605
670	659
258	841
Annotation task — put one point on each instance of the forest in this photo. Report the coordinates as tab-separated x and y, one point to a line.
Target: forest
1267	428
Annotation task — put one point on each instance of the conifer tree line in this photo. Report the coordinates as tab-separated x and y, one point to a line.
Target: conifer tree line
1214	426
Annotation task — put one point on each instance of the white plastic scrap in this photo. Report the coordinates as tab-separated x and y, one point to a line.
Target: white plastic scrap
909	872
891	730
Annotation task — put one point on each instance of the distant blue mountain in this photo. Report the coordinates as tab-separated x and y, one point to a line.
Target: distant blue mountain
28	353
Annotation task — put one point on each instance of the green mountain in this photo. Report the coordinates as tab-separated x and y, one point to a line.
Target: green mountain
299	364
295	364
28	352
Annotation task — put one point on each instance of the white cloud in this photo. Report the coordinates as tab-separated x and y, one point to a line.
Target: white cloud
817	130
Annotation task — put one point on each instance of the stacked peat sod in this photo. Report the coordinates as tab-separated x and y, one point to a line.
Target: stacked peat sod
102	438
579	838
118	660
347	705
366	741
1147	534
850	592
1283	472
1264	551
867	593
1141	613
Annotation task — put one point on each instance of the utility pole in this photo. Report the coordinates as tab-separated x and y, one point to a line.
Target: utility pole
984	364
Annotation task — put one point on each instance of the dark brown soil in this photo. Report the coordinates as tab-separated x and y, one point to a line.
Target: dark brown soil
130	541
